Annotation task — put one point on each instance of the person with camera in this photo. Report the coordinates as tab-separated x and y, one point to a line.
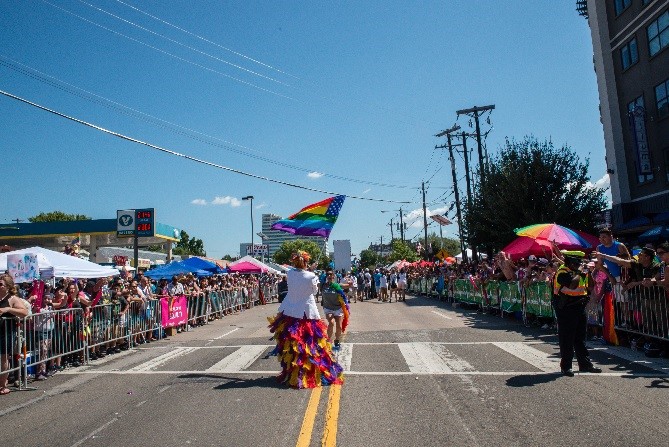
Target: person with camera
571	292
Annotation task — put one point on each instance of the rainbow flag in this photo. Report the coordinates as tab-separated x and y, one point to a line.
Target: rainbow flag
316	219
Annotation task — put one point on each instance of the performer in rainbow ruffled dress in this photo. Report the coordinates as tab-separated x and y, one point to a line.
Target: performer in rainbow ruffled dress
301	336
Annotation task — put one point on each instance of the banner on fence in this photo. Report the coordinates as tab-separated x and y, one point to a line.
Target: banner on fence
177	314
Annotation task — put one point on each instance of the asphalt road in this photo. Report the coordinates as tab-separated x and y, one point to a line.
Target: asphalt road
419	373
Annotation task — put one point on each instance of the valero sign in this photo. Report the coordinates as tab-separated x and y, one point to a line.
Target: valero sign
125	223
139	222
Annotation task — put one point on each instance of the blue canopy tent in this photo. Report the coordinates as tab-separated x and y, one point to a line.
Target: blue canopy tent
656	234
174	268
203	264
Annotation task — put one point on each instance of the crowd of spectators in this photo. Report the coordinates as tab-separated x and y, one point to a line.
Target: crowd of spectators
116	313
637	279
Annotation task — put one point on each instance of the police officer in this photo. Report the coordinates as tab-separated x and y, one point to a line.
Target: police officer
570	296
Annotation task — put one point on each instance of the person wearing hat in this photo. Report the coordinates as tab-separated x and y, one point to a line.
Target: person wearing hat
570	296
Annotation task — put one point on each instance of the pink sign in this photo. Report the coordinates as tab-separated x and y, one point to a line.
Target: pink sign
177	315
37	290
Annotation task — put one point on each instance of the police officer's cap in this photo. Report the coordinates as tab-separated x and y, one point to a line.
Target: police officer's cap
573	255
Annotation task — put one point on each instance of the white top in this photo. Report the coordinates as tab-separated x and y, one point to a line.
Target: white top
300	301
383	282
403	277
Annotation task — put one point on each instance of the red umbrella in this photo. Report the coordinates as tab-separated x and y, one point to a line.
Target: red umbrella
524	246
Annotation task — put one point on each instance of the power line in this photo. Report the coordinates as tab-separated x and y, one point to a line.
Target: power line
188	157
239	67
250	84
204	39
167	125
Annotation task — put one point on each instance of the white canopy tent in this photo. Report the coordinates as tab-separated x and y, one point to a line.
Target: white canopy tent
254	261
54	264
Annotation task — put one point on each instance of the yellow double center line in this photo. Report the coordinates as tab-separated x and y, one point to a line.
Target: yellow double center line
329	438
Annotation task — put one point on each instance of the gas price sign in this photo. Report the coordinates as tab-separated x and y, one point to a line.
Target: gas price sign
145	221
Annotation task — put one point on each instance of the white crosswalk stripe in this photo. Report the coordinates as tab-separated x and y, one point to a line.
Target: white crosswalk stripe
533	356
432	358
424	358
162	359
345	356
239	360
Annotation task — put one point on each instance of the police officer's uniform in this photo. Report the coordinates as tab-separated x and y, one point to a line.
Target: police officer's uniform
570	296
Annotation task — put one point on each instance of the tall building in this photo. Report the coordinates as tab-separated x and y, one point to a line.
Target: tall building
274	238
631	56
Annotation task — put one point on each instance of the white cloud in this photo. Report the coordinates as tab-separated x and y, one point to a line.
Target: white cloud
262	205
314	174
201	202
227	200
604	182
367	190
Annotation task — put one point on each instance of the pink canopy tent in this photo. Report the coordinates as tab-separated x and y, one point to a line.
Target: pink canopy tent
246	267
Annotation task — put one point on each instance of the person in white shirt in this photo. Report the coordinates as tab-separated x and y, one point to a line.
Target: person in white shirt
301	336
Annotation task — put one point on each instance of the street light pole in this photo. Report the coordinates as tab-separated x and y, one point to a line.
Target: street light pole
250	198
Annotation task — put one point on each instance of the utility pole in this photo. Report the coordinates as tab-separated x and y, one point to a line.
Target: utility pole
465	152
392	235
456	191
425	222
17	220
401	225
475	112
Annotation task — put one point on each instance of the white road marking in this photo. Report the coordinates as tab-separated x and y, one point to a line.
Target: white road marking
227	333
387	373
94	432
533	356
345	355
432	358
422	358
442	315
162	359
239	360
638	358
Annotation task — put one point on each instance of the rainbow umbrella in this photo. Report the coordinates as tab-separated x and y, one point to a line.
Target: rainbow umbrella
562	236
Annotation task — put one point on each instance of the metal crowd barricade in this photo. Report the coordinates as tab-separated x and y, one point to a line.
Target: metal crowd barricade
11	346
48	335
642	310
107	325
145	319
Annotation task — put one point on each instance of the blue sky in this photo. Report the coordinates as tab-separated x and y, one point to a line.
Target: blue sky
284	90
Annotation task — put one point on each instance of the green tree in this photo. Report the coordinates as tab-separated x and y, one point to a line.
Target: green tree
227	258
57	216
402	250
189	246
283	254
369	259
532	182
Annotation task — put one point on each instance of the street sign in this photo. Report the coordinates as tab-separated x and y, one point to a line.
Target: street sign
145	222
125	223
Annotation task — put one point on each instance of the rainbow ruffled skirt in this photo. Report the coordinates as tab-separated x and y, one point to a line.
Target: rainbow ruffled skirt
304	352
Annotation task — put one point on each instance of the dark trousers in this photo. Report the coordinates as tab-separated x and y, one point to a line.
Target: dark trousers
572	325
